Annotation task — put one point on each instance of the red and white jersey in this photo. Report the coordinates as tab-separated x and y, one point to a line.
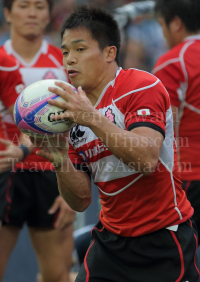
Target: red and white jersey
179	71
47	64
133	204
11	86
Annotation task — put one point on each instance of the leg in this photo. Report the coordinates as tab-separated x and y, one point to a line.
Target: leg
54	252
8	238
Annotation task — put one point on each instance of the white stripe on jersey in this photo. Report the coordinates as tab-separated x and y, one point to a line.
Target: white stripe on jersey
110	168
9	68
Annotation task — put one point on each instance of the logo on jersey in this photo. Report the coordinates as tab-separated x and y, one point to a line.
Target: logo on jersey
76	135
83	156
49	75
143	112
109	114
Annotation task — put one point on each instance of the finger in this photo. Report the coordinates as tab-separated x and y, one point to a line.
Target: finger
45	155
81	92
4	153
5	142
58	223
55	206
60	104
71	90
6	160
60	92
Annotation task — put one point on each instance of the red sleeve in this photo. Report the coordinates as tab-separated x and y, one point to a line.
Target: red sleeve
74	156
172	78
11	83
77	160
147	108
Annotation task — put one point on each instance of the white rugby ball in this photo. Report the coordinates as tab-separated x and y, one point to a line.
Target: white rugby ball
32	112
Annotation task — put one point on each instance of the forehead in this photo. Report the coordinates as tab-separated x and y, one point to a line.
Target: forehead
77	34
31	1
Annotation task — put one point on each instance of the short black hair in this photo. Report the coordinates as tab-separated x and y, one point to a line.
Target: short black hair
8	4
187	10
102	26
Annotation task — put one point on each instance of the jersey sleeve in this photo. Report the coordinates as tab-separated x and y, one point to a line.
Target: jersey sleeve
147	108
77	161
10	81
172	78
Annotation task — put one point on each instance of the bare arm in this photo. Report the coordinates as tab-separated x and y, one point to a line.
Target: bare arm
74	185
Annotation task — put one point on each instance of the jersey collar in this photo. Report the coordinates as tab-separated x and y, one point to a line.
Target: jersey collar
192	37
10	51
111	83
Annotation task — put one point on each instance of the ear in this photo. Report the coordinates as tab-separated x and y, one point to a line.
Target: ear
7	15
176	24
110	53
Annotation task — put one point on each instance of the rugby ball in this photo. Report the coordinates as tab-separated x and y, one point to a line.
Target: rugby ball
33	114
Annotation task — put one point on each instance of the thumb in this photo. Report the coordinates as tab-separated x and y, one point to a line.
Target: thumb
80	91
5	142
54	207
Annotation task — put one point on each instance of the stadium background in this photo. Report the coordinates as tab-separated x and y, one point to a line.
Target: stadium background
142	44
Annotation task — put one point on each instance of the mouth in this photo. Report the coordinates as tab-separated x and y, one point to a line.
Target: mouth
72	73
31	24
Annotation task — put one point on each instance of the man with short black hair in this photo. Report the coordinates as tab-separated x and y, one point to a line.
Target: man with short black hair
124	139
179	71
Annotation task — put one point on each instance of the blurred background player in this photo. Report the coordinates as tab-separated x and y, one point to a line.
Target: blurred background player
36	199
11	86
179	70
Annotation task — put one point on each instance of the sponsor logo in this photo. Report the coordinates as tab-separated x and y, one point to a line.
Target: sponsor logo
49	75
83	156
76	135
109	114
51	114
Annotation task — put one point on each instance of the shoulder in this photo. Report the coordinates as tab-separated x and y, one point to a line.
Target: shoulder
55	51
171	58
138	87
7	63
134	80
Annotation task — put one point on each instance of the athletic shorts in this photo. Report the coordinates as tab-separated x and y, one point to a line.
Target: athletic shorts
162	256
27	197
192	189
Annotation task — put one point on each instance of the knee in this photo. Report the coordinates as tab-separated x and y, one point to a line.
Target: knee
55	275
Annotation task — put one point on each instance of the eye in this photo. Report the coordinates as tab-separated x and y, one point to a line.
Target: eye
65	53
40	7
80	49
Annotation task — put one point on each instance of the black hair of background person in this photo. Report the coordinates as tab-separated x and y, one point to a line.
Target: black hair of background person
186	10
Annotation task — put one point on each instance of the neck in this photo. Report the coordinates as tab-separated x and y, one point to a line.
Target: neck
109	75
26	48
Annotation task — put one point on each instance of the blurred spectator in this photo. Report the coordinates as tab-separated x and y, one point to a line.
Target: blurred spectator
148	33
135	55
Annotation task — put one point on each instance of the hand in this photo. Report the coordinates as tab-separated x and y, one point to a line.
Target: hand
54	149
66	215
77	105
10	156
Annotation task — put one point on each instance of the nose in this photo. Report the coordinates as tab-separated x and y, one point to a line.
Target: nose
32	11
71	59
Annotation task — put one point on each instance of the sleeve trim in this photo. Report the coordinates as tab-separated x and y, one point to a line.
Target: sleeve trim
146	124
